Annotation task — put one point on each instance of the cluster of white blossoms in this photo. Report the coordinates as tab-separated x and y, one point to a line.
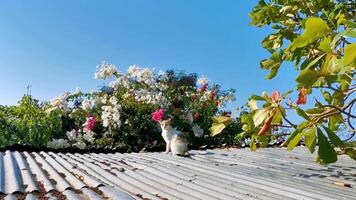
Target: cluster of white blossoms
111	113
150	97
87	104
198	132
105	70
143	84
203	80
78	137
142	75
58	144
73	135
60	103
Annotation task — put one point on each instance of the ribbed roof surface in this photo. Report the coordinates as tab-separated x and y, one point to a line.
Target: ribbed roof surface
211	174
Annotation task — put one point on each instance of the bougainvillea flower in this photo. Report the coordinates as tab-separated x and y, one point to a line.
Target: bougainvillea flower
203	88
90	123
276	97
302	96
158	115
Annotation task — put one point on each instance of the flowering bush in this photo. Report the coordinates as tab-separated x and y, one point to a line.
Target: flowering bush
122	114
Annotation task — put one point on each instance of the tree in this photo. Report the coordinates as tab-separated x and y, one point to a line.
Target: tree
314	35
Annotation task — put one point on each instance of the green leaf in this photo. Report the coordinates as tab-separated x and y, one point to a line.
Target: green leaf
299	128
278	117
330	66
333	137
216	128
294	142
301	113
307	77
262	140
272	42
314	61
326	152
252	104
315	28
221	119
325	45
335	121
350	55
349	23
253	146
314	110
257	98
327	96
348	33
273	72
260	115
273	64
340	19
246	119
310	139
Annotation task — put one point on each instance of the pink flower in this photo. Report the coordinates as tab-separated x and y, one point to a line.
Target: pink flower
158	115
276	97
203	88
90	123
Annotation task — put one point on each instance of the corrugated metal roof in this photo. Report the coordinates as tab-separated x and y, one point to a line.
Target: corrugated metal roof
210	174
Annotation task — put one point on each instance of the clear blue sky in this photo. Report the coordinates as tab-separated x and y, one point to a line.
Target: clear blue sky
55	45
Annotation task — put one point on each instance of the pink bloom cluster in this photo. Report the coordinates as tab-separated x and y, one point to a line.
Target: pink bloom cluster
90	123
276	97
158	115
203	88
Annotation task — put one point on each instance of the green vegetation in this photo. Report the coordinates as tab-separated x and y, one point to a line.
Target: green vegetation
314	35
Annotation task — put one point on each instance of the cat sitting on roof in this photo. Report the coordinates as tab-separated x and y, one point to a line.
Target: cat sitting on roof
175	140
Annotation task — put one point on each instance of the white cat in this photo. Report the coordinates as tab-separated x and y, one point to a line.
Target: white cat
175	141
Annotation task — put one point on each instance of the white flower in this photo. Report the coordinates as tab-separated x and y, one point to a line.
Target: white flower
60	103
144	75
113	100
56	102
111	116
58	144
203	80
80	145
72	135
86	104
77	91
205	96
105	70
198	132
89	136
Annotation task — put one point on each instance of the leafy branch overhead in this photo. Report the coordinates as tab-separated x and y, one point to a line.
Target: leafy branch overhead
318	38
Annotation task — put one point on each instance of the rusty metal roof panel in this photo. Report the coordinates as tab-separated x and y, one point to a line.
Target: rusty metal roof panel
269	174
